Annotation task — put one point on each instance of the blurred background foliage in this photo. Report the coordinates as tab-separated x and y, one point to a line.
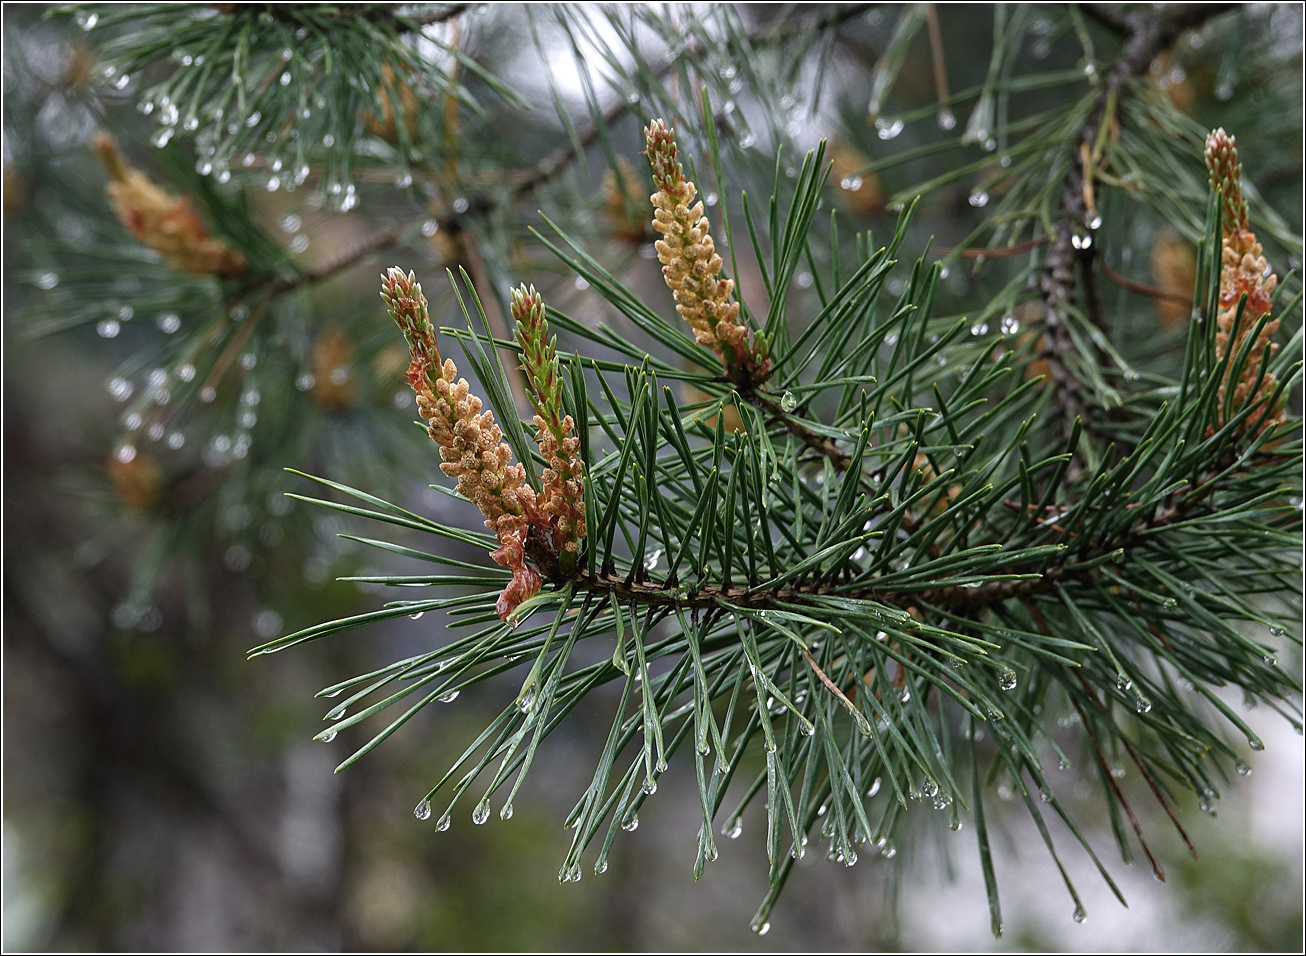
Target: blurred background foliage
160	792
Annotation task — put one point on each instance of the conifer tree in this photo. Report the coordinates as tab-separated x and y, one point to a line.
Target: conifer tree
864	526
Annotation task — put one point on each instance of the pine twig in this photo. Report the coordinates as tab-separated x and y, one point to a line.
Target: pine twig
1146	34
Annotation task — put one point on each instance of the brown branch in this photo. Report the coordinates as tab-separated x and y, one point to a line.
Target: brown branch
560	158
831	685
1140	287
1146	34
940	65
956	598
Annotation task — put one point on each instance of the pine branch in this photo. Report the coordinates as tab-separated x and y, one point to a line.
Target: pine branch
555	162
640	589
1145	34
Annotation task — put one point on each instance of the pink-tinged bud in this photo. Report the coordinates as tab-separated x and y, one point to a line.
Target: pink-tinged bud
1245	277
166	223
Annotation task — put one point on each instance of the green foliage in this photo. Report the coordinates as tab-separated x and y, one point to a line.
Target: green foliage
974	522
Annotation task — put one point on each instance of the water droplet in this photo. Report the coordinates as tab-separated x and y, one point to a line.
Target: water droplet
601	867
449	698
979	198
1142	704
460	205
108	328
404	180
1123	682
327	737
631	824
443	823
186	372
208	393
851	183
1007	679
787	402
652	561
710	200
430	227
1255	743
291	223
761	929
87	21
747	141
989	145
253	119
650	787
119	388
328	140
423	810
1093	221
875	788
417	616
284	80
1244	769
1224	91
732	829
273	183
191	124
481	813
888	129
979	328
506	812
947	119
1079	915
